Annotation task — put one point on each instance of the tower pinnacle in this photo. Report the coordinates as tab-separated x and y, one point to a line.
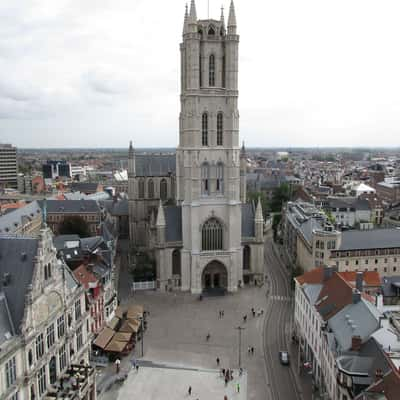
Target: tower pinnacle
222	16
160	215
232	19
193	13
186	20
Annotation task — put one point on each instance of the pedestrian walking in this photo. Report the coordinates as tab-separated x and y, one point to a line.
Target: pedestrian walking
245	318
217	361
223	313
226	380
252	351
249	350
133	362
240	371
208	337
225	397
238	387
231	374
117	365
223	372
190	390
253	311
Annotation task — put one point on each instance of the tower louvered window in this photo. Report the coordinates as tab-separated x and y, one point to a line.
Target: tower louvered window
220	129
141	189
150	189
212	235
211	70
204	130
205	179
220	178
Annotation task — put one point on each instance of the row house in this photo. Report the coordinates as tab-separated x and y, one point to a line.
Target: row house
45	325
92	262
331	317
23	221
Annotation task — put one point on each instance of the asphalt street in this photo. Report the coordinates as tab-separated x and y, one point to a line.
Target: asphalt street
278	327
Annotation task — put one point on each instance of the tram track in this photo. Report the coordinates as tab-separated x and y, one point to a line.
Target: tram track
281	379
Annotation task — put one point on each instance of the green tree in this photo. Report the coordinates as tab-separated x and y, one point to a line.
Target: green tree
280	196
74	225
254	196
276	220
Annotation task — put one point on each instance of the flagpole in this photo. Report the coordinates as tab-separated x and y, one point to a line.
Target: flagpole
208	2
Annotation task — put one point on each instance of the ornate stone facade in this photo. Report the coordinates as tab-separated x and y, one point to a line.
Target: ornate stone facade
45	324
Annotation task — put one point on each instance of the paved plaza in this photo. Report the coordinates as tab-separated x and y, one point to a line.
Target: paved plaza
176	337
169	383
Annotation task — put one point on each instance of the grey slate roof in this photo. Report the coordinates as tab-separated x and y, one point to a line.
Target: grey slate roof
173	220
72	206
370	239
60	240
248	229
358	204
12	221
84	187
17	258
155	164
363	315
116	208
312	292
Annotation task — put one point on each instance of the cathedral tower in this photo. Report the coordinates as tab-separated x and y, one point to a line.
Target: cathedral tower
208	155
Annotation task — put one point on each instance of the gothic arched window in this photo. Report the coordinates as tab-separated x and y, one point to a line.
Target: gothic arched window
220	177
211	31
211	70
212	235
150	189
141	189
204	129
220	129
205	179
163	189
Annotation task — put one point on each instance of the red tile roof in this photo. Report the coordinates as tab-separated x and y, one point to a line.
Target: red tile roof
85	276
316	275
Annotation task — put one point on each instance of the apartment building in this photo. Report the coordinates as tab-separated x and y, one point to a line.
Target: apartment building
308	236
372	250
88	210
45	337
8	166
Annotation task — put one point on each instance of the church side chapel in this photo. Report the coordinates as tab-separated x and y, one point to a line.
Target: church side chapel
188	211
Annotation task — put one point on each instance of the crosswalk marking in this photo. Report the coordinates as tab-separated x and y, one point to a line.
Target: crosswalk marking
280	298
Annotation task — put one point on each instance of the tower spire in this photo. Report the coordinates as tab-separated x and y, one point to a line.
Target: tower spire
232	19
259	213
193	13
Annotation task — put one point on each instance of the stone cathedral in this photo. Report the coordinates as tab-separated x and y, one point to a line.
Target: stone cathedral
188	210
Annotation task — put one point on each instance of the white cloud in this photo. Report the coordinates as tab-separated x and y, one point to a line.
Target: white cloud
100	72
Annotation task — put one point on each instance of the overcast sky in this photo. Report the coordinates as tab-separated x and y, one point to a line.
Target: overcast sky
97	73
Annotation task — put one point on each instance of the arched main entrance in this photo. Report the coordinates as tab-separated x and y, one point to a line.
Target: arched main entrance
214	277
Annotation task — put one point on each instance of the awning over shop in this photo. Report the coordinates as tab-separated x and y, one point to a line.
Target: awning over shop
113	323
104	337
135	311
129	326
122	336
116	346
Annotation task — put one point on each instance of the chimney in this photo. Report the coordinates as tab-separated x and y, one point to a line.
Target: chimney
328	272
356	343
359	281
356	296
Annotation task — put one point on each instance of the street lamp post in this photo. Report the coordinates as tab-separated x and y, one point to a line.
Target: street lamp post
240	329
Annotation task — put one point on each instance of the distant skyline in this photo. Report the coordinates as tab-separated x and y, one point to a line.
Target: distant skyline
98	73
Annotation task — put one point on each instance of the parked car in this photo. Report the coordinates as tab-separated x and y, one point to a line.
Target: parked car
284	357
